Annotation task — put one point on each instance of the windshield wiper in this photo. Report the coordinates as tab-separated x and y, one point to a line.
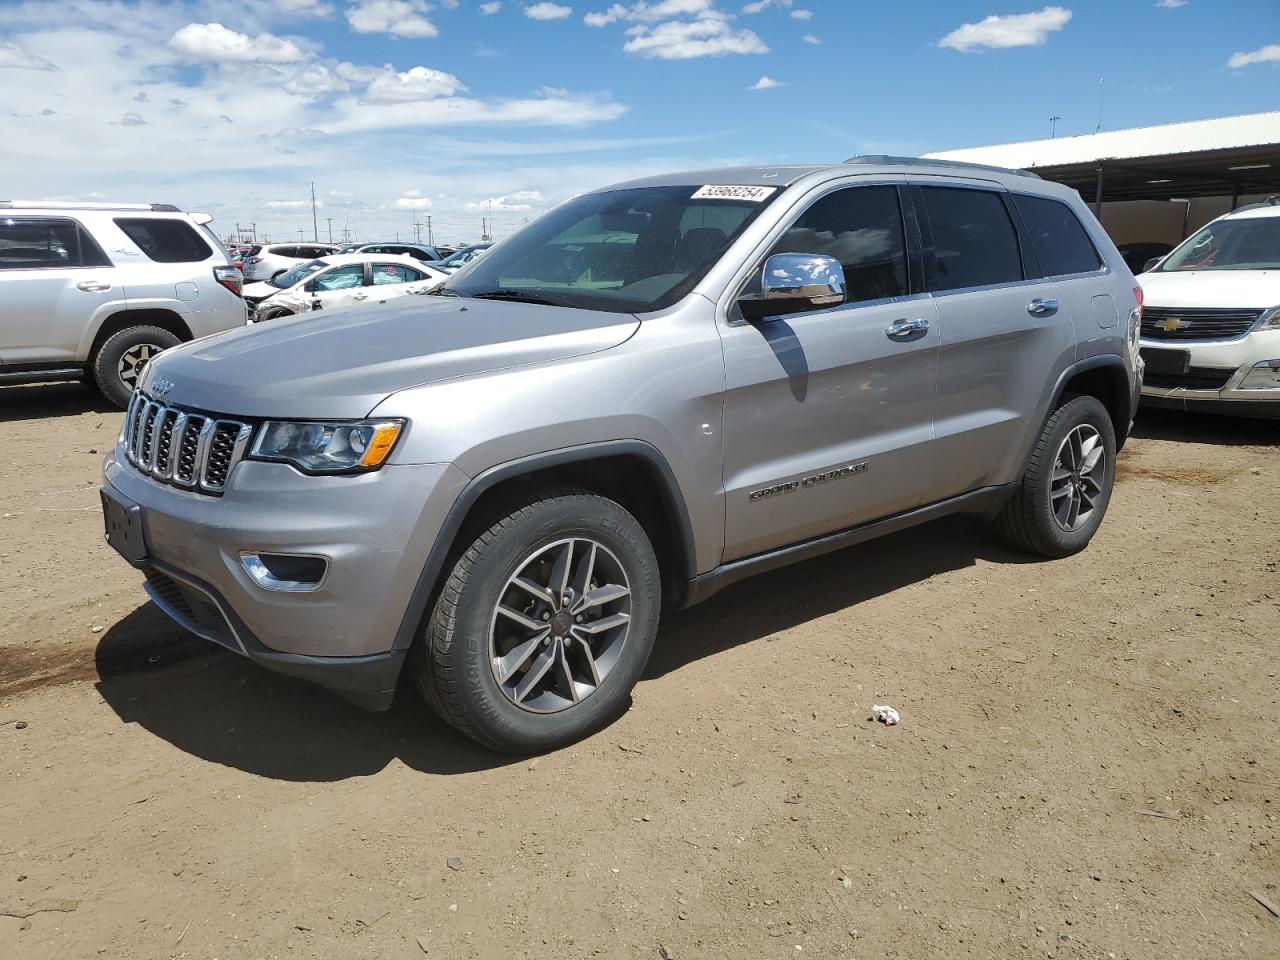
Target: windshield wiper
443	292
521	296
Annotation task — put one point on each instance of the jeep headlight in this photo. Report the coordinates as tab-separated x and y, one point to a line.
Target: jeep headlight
1270	319
327	447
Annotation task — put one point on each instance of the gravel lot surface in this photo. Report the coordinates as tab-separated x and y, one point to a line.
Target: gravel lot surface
1088	763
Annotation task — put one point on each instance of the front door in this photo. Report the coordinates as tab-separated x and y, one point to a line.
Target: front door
828	414
340	287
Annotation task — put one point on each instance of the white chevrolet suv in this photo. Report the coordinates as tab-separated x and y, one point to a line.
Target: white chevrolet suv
93	291
1211	318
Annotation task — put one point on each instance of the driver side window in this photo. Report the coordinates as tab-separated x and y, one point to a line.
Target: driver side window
862	228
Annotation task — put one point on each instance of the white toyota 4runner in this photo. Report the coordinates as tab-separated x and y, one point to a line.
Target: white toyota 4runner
95	290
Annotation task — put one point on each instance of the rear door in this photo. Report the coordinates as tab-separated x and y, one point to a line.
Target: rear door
1002	332
828	414
339	287
53	280
391	280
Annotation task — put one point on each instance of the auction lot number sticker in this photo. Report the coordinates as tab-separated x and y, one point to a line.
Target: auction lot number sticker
730	192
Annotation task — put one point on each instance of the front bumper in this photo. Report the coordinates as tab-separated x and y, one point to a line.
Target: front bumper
375	532
1224	375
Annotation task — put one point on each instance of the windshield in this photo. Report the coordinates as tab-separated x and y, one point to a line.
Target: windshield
297	274
1246	243
625	251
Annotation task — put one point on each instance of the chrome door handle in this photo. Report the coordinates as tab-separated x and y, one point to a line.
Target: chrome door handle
900	328
1038	307
359	296
93	286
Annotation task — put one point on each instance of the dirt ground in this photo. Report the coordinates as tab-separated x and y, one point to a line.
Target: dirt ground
1088	763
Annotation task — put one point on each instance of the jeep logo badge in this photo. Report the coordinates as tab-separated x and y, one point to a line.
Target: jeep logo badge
161	385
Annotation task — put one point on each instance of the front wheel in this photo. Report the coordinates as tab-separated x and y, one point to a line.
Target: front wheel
1063	496
120	360
544	624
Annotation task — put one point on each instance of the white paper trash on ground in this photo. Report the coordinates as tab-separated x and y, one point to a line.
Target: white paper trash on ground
885	714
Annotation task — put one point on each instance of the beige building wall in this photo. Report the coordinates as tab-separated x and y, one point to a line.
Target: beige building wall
1160	221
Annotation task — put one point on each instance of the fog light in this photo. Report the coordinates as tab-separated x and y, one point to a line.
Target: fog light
285	572
1265	375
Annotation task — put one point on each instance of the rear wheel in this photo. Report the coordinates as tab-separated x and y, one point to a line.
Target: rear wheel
544	625
123	356
1063	496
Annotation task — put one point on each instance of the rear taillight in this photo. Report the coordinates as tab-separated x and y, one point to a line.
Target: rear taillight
1137	295
230	278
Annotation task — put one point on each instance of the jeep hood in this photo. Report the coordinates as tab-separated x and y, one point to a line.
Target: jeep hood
1253	289
343	363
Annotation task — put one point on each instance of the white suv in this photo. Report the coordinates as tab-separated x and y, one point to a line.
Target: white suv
96	290
1211	320
340	280
264	262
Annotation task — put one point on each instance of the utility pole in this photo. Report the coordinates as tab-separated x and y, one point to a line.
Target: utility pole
300	233
431	237
329	221
1100	91
315	226
254	228
1053	126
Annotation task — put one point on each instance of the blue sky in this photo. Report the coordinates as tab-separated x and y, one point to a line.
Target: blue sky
404	108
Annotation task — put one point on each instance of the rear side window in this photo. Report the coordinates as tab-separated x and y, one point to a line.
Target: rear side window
974	239
394	273
166	240
1059	238
862	228
343	278
35	243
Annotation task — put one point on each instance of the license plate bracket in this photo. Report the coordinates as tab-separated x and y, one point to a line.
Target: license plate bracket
122	519
1166	361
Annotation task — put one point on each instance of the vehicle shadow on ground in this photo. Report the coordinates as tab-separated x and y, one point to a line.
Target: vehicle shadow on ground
1206	428
47	400
772	602
216	705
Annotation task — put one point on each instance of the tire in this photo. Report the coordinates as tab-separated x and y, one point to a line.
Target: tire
119	361
273	315
1038	517
454	662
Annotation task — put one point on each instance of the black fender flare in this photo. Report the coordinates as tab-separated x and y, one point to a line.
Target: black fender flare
443	545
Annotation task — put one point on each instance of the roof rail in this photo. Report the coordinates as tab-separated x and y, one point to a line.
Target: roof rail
882	160
65	205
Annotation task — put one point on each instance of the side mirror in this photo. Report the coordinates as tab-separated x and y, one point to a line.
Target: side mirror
1151	264
794	282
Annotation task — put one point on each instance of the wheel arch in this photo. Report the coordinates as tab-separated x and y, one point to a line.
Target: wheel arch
634	473
1105	378
148	317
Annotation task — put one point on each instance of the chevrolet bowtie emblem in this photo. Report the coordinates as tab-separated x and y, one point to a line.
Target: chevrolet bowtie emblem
1173	324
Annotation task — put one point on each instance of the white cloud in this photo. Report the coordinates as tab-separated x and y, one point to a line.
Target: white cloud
489	9
132	120
708	36
645	12
412	200
313	80
305	8
12	55
290	204
766	83
547	11
217	44
521	201
802	14
759	6
399	18
810	38
354	115
1001	32
1268	54
1171	4
412	86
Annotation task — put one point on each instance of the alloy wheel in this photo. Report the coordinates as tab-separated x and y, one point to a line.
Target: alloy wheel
133	360
559	625
1075	487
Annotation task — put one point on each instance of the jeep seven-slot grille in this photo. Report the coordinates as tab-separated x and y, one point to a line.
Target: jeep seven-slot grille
1196	323
182	447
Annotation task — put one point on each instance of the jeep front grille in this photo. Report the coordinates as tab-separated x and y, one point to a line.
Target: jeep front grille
1196	323
183	447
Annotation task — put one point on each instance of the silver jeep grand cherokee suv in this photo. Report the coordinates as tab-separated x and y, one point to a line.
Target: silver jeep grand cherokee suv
648	393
